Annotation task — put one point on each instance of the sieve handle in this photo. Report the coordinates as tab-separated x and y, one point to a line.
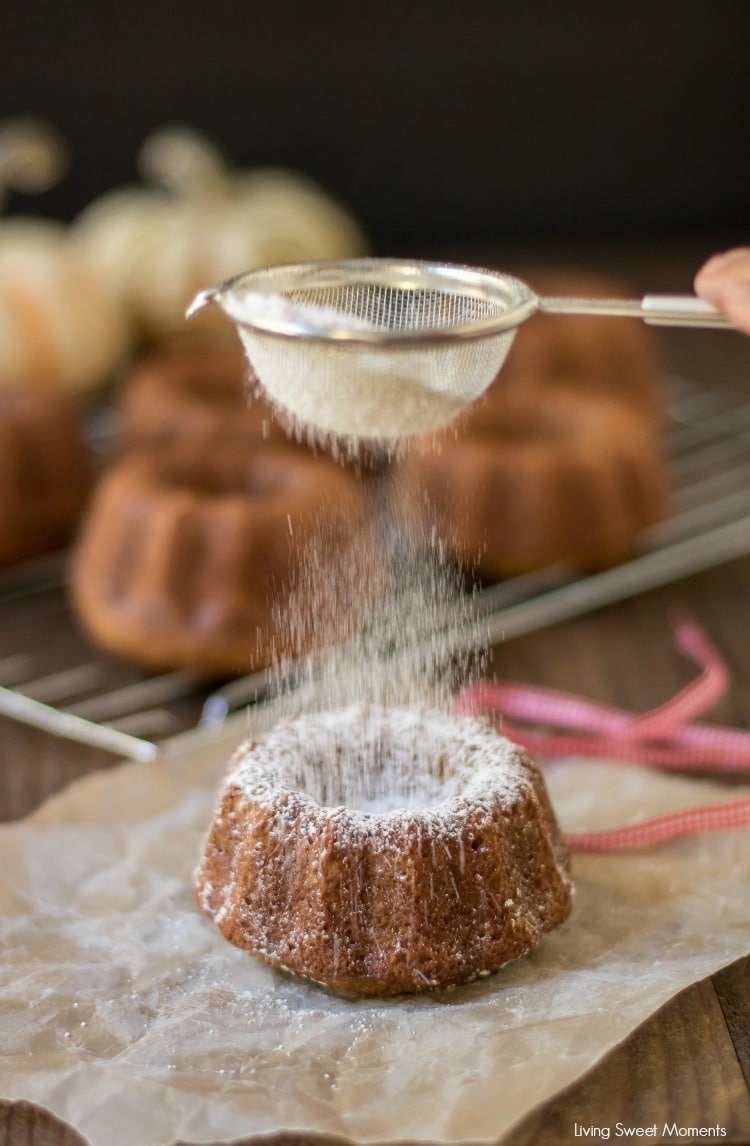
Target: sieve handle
655	309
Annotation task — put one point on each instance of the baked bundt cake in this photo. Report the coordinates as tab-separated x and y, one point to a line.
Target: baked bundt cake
561	460
209	397
382	851
181	556
526	484
45	472
199	395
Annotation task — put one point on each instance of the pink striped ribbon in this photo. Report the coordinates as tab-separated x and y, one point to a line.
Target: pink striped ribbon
663	738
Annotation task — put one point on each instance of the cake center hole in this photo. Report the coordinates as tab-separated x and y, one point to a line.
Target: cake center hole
375	768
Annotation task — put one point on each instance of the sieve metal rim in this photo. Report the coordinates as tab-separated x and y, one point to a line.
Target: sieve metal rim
518	301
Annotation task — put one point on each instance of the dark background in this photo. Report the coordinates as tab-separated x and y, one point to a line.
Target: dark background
435	121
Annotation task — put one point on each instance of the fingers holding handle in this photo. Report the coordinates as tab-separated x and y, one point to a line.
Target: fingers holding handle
724	281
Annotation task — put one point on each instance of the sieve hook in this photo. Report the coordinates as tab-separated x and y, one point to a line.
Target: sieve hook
203	299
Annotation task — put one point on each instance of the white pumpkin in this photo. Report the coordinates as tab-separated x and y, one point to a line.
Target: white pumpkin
159	245
58	325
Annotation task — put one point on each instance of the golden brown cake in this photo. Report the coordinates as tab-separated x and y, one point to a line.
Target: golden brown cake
45	472
561	460
526	484
384	851
181	557
201	395
208	398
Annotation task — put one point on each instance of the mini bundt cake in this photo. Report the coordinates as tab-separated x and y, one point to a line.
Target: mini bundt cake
209	397
384	851
45	472
526	484
201	395
561	459
181	557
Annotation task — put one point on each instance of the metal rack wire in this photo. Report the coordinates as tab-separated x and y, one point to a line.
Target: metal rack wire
50	677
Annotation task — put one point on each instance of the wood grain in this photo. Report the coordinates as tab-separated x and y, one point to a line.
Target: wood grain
732	986
24	1124
678	1067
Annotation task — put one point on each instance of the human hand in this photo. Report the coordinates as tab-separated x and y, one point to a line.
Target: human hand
724	281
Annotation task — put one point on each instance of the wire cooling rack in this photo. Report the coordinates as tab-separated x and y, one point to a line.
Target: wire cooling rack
53	679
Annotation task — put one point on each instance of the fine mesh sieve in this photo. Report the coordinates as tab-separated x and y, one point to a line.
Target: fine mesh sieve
377	348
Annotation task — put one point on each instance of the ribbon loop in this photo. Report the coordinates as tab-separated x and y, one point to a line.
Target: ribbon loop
554	724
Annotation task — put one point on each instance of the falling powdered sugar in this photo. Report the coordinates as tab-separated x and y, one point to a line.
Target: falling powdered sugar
389	616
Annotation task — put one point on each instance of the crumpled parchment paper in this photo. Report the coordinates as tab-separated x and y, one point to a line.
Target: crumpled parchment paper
125	1012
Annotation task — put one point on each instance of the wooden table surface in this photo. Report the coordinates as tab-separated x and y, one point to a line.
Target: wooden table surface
690	1063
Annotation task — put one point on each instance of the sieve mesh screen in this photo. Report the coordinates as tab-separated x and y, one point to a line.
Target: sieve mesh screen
391	308
383	349
374	349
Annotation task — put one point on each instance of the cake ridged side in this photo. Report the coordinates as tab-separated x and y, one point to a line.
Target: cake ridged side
385	904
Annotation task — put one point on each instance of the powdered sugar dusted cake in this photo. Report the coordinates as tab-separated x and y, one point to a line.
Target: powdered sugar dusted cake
382	851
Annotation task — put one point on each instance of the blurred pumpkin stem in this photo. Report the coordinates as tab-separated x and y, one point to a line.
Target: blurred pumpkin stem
184	162
33	156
